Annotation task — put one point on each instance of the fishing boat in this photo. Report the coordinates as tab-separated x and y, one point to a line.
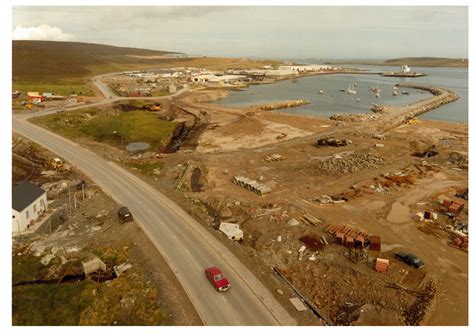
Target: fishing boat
321	92
404	92
377	95
342	89
395	93
375	89
358	99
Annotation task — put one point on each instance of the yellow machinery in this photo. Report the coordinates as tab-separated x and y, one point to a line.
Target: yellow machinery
155	108
57	164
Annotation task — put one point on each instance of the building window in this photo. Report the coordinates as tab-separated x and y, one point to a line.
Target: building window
13	216
34	208
27	214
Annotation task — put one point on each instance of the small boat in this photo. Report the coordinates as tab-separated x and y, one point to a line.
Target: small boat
358	99
375	90
377	95
351	91
342	89
395	93
321	92
355	84
404	92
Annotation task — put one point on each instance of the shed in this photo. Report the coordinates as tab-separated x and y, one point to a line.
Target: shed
232	231
29	202
375	243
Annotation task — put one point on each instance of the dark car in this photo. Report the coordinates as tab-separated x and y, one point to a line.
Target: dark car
217	279
125	215
410	259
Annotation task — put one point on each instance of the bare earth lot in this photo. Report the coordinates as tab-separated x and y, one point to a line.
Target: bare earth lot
382	189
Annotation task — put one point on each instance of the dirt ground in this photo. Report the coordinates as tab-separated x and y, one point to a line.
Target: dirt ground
376	184
380	203
147	294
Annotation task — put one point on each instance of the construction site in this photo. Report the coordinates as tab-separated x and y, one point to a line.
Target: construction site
318	208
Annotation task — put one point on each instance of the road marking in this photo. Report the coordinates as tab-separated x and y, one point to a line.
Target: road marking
223	298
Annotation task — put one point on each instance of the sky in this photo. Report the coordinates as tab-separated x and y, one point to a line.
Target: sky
262	32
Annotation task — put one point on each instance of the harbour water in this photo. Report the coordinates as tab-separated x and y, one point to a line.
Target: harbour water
335	101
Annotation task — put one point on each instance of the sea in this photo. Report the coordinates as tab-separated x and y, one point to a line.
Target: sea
333	100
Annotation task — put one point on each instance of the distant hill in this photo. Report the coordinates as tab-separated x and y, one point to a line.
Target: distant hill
411	61
46	60
428	62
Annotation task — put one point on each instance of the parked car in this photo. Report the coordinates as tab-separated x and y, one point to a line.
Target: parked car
410	259
217	279
125	215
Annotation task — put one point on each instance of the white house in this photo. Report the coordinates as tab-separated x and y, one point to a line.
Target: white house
29	203
405	69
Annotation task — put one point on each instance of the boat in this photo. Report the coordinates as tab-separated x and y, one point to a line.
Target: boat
404	92
355	84
351	91
375	89
395	88
377	95
321	92
358	99
395	93
342	89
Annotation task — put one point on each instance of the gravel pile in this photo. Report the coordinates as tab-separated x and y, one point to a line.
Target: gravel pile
353	117
352	163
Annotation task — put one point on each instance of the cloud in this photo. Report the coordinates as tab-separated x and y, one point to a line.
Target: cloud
40	32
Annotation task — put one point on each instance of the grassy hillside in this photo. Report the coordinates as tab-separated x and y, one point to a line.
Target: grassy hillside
63	67
44	60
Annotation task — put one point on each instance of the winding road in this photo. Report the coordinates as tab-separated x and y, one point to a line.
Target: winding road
187	246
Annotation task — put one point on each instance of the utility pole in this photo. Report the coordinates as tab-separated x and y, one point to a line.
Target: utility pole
69	192
121	140
329	299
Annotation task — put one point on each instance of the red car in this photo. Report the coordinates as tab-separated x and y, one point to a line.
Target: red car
218	280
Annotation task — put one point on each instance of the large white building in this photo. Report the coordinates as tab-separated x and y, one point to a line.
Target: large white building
29	202
217	79
305	68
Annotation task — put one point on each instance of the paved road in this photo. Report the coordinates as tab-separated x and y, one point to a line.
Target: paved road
187	246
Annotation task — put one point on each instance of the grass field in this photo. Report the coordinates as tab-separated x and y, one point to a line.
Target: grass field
100	125
64	89
83	302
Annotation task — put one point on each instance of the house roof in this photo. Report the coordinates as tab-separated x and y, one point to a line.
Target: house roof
24	194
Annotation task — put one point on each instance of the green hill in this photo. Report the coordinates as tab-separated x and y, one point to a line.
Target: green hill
45	60
67	67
